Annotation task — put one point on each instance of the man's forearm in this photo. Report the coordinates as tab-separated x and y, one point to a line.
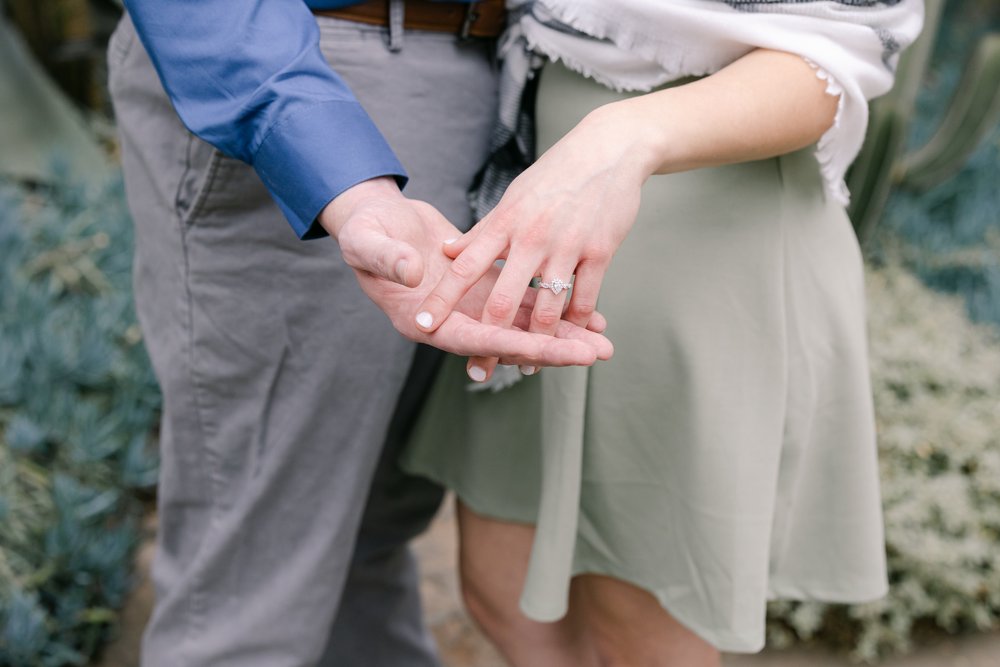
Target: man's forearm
248	77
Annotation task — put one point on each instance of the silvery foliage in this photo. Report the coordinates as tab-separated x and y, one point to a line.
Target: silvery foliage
78	404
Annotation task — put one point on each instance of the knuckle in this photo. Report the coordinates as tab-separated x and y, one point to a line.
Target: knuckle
546	318
435	303
380	264
493	238
499	307
350	257
506	214
534	236
462	268
350	254
596	252
582	307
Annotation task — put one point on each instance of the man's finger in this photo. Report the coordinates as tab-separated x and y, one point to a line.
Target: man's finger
503	304
598	323
592	334
369	249
605	348
464	336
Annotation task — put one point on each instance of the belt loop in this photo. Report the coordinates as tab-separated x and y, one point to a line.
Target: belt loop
397	15
471	14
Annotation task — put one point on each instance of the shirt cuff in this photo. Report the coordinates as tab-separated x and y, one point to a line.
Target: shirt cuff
315	154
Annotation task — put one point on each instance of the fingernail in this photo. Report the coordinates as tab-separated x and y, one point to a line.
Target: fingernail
450	241
401	270
528	370
425	319
477	374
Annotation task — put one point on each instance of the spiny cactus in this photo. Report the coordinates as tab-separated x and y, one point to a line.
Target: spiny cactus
974	110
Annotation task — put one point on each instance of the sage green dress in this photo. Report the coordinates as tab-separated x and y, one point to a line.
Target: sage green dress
726	454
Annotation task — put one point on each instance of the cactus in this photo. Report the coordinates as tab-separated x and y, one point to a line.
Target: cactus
883	163
973	112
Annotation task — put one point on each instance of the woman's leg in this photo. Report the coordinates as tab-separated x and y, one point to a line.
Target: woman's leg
493	561
610	623
629	627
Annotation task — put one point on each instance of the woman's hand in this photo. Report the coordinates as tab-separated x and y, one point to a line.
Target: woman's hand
566	215
570	210
394	245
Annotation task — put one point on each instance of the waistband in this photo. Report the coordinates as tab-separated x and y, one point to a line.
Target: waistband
486	18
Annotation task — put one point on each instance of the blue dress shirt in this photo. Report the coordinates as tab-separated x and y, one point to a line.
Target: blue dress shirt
247	76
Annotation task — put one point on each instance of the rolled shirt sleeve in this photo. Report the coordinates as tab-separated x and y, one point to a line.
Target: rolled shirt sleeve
248	77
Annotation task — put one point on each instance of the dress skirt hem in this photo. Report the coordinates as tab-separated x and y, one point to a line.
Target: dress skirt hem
726	454
863	593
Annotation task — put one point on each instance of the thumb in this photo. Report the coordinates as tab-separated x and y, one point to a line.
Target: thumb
370	250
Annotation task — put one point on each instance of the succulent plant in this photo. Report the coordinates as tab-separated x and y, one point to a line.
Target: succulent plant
884	164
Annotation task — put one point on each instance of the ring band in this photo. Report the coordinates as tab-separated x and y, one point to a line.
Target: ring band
557	285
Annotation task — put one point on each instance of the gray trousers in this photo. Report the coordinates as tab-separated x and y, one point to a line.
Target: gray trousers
283	521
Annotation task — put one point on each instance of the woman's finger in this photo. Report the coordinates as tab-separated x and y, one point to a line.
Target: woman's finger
598	323
464	272
453	247
550	300
586	287
503	303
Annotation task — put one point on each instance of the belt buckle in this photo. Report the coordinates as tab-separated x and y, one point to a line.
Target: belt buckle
471	15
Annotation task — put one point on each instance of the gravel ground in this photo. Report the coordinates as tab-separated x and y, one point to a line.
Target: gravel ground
462	645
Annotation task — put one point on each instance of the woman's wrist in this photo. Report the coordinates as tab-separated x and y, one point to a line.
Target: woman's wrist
640	138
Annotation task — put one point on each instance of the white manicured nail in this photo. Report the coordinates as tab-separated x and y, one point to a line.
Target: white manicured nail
425	319
477	374
528	370
450	241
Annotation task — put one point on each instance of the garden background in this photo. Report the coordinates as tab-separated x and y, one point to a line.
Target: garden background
79	404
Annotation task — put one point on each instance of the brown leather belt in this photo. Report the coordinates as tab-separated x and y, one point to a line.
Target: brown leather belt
486	18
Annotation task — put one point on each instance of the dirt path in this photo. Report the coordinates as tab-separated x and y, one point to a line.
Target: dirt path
462	646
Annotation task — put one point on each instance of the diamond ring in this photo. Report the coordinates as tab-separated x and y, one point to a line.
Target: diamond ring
557	285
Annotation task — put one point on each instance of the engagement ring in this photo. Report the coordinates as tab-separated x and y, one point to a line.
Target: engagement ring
556	286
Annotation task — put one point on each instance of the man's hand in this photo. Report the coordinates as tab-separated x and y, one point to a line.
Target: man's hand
377	230
394	246
564	217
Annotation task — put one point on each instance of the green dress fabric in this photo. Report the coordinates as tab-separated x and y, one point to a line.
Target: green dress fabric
726	454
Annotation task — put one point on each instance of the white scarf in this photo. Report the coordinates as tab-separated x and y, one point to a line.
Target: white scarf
638	45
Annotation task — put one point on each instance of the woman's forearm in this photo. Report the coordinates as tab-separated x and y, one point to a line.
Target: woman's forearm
766	103
571	209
